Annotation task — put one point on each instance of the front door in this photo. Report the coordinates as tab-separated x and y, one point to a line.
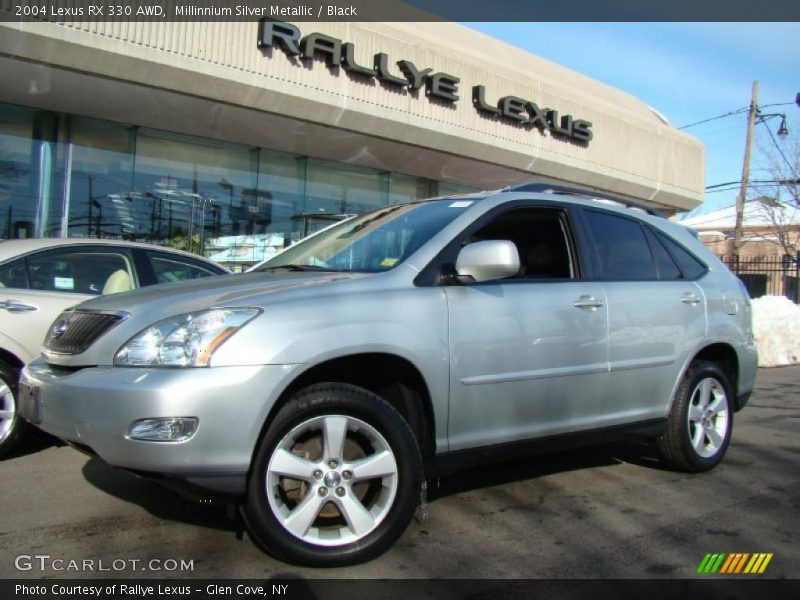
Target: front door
528	354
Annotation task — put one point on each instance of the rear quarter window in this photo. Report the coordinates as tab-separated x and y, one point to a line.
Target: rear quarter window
169	269
690	265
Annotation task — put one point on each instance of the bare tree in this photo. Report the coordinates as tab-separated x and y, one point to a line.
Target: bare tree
777	195
780	162
782	221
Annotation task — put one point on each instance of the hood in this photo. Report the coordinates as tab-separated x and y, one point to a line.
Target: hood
245	289
148	305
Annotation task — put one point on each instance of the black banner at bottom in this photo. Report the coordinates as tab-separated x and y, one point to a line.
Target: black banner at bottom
283	587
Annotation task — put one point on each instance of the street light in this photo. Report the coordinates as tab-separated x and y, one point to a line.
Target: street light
783	131
755	115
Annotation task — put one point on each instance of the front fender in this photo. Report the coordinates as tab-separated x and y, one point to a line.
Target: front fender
11	346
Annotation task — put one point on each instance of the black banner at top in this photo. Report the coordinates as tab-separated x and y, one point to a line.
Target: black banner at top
394	10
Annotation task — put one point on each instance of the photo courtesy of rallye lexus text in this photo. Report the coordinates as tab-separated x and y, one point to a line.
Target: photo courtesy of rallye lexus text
103	591
319	390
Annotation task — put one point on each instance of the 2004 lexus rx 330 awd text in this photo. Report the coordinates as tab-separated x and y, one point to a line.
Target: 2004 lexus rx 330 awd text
319	391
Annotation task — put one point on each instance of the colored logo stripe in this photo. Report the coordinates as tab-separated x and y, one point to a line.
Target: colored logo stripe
735	562
711	563
758	563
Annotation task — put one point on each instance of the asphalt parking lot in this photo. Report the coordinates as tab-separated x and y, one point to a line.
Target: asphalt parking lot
609	512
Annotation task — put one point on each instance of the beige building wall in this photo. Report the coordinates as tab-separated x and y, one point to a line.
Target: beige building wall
757	243
211	79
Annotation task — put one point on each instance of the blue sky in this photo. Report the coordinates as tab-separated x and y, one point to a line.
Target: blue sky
686	71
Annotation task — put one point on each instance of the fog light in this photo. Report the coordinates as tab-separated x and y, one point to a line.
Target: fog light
166	429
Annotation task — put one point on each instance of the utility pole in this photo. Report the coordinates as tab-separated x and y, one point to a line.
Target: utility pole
740	200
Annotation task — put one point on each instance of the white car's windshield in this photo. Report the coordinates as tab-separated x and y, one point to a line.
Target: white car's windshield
376	241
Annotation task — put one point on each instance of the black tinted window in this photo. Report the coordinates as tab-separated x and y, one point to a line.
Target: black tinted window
692	268
667	269
14	275
622	249
169	269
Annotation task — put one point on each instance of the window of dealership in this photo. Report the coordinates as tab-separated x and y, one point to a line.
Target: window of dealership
64	175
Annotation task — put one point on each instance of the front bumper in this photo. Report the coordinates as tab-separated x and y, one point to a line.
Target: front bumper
93	408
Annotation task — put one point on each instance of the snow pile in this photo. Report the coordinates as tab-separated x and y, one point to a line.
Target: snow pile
776	327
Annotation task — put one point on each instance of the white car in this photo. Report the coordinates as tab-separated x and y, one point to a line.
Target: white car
40	278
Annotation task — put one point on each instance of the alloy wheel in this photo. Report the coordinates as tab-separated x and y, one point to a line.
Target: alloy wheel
708	417
331	480
8	410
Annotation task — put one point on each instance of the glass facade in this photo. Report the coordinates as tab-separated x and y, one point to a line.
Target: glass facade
68	176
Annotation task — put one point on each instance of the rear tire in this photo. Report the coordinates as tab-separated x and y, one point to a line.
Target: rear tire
13	428
701	420
335	480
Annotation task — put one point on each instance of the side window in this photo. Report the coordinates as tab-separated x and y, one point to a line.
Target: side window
622	248
542	241
692	268
667	268
14	275
80	272
169	269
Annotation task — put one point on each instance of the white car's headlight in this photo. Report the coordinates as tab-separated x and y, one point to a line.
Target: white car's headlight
187	340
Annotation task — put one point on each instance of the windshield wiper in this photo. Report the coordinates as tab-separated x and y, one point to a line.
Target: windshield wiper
293	267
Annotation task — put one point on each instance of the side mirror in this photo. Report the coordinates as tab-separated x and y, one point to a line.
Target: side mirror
484	261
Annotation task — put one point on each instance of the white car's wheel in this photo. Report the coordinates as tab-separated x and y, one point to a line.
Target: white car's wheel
336	478
12	426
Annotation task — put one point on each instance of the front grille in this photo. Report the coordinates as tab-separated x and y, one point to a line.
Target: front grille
74	331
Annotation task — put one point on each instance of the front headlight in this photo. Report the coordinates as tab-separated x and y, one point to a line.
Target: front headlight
187	340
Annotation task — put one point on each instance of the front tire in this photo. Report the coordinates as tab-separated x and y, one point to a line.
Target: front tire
701	420
12	427
335	479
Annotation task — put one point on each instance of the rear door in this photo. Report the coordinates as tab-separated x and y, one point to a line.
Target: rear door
656	314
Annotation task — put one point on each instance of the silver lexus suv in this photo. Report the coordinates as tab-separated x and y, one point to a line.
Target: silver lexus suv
319	391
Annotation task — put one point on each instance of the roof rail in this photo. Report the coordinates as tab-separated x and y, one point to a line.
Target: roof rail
565	190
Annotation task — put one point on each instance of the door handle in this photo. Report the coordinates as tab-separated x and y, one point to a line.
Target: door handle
690	298
588	302
16	306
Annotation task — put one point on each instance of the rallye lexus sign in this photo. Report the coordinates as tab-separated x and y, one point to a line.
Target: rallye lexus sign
438	86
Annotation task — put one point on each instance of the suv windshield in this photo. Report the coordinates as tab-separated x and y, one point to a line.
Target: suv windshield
376	241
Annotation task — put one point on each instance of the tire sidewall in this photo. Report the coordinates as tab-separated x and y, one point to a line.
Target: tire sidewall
694	377
354	402
10	377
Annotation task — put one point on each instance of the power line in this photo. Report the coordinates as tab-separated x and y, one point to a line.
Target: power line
736	187
778	104
734	112
758	181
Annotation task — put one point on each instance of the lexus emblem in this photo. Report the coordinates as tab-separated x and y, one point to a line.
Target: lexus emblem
59	328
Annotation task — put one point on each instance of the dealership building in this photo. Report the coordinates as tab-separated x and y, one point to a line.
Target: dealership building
235	139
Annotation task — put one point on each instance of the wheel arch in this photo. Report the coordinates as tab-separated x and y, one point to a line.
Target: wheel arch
725	356
390	376
11	359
